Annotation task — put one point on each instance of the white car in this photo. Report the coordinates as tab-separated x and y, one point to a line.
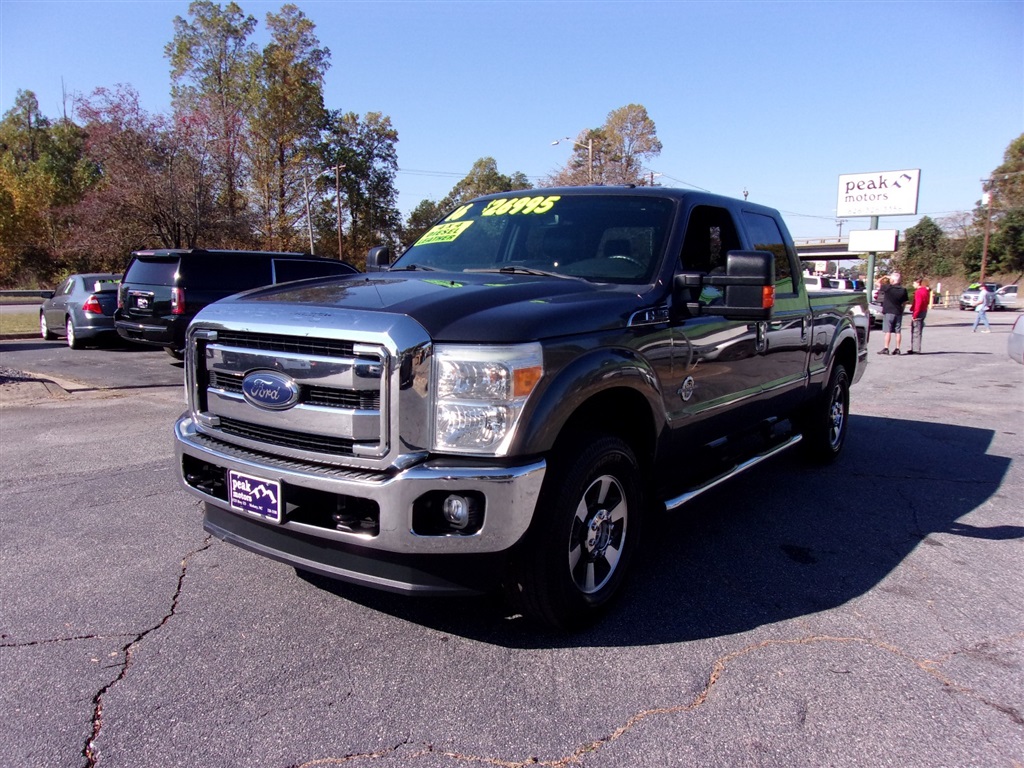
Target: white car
817	283
1006	297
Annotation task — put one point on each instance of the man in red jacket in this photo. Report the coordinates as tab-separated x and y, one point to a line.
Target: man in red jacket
919	308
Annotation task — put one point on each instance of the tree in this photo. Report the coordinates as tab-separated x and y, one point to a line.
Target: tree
483	178
421	219
212	65
1008	243
364	150
287	109
631	138
43	173
151	191
618	149
923	251
1000	216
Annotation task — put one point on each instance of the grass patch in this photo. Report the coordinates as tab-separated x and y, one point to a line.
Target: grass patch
19	322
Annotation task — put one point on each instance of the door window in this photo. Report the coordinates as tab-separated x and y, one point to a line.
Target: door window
765	236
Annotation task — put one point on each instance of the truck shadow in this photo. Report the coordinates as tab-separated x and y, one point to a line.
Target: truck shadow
780	542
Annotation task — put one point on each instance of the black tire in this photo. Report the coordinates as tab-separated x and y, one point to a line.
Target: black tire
72	337
44	329
824	423
177	354
586	528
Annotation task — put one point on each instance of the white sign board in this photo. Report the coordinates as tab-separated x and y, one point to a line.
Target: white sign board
888	193
873	241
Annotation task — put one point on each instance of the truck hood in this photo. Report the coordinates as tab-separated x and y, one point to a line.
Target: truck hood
456	306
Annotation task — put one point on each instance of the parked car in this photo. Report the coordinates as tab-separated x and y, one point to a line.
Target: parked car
817	283
81	308
969	298
875	308
1006	297
163	290
842	284
1015	345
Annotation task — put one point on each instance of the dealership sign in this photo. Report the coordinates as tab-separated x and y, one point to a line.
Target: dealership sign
889	193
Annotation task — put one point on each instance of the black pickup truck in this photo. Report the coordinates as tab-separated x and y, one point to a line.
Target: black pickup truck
518	397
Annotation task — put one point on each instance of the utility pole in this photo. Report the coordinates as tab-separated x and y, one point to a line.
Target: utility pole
337	188
309	217
988	229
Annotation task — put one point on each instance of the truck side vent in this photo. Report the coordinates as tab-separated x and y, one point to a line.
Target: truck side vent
297	345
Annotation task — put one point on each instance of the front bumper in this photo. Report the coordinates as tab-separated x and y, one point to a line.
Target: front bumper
394	556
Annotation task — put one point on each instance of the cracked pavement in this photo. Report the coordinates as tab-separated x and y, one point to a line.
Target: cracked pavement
871	613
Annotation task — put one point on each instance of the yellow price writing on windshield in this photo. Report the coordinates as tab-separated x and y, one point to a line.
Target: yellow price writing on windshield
512	206
459	212
444	233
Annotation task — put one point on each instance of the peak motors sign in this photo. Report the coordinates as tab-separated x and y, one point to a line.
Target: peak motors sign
889	193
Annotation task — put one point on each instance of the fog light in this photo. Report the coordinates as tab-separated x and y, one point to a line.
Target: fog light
456	511
448	513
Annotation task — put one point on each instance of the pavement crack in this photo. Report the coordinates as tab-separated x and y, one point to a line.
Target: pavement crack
718	669
127	651
55	640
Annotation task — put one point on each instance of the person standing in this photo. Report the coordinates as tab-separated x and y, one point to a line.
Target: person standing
981	311
894	298
918	311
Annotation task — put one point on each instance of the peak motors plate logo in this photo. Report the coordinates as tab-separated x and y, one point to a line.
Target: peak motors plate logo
271	390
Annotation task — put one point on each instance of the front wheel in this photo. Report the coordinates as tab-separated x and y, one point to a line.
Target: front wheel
586	530
824	422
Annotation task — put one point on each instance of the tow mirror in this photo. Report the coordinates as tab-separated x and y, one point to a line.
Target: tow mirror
378	259
745	292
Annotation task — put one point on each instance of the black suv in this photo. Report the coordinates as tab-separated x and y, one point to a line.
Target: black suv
162	290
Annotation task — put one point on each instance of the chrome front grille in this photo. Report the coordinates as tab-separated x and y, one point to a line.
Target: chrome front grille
341	413
325	396
287	438
272	342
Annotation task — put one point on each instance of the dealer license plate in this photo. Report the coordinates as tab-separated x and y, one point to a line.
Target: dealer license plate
255	496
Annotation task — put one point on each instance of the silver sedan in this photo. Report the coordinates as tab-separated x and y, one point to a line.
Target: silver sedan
81	308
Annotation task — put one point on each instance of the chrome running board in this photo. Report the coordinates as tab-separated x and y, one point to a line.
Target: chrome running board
690	495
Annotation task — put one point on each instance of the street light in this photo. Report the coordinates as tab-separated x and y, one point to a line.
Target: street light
590	153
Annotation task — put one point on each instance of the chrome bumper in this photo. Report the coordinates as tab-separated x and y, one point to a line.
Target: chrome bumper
510	494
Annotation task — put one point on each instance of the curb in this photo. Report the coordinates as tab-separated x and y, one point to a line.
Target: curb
19	336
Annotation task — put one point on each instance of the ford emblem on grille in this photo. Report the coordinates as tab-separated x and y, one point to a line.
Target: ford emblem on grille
270	389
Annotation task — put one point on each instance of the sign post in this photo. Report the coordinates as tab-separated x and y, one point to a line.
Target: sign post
884	193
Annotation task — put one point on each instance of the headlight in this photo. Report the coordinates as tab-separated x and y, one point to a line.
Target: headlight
479	394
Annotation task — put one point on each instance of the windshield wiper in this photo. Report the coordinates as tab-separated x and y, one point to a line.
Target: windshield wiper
413	268
519	270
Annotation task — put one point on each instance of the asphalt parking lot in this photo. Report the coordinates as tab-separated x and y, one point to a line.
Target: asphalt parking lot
871	613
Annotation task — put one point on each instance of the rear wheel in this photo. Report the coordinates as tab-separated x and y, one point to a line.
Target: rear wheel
824	422
586	530
44	329
73	341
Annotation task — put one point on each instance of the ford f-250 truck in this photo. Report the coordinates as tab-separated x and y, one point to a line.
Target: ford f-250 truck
516	398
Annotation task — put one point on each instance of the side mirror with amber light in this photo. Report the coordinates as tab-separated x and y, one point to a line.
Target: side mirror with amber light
747	289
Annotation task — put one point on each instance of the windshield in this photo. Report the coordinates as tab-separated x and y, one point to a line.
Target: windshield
601	238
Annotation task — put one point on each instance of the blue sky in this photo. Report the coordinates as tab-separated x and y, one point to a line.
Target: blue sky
775	98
